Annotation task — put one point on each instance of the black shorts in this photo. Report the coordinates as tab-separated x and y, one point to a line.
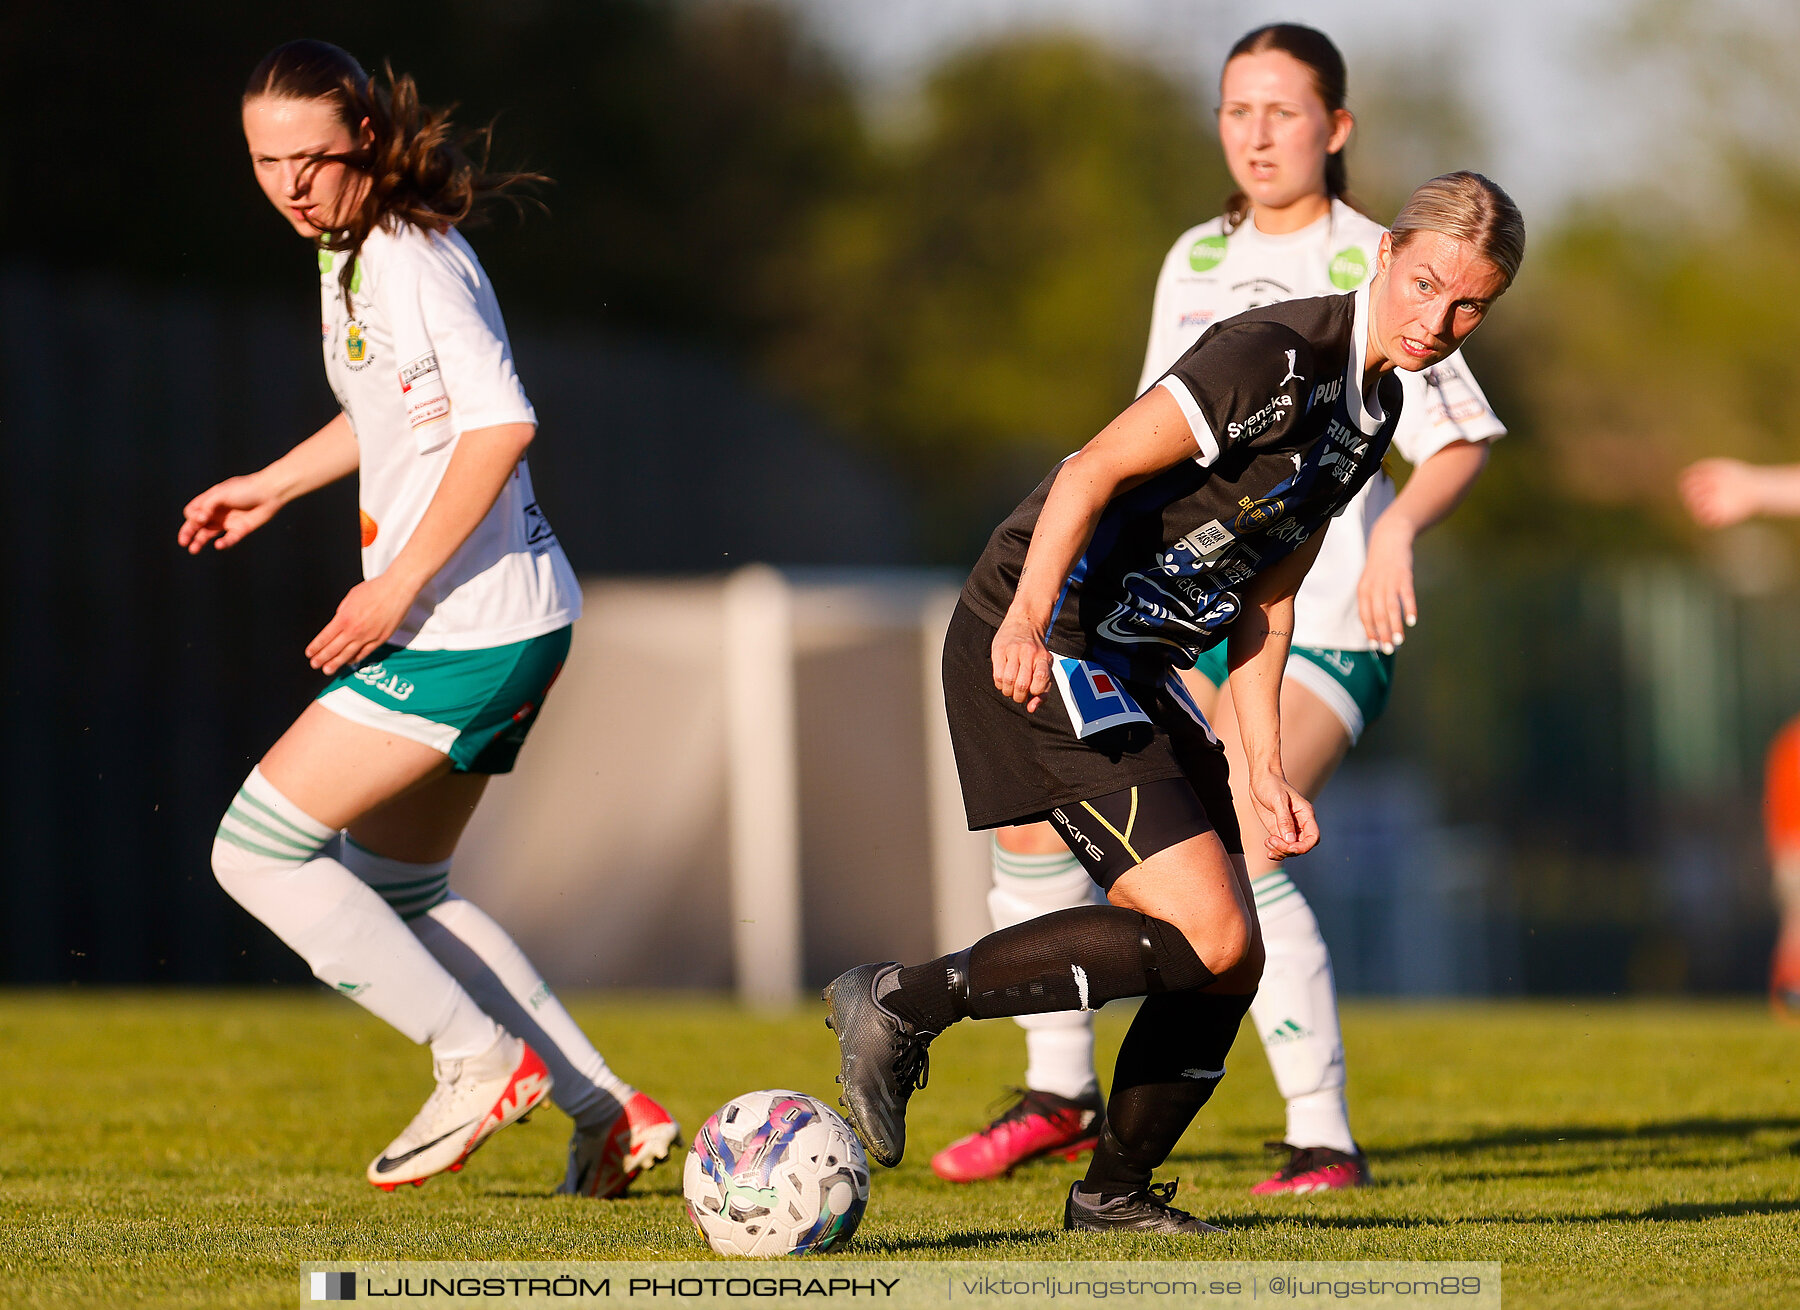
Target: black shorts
1017	767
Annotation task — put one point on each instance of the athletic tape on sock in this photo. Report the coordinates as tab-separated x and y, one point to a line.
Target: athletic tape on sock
1072	959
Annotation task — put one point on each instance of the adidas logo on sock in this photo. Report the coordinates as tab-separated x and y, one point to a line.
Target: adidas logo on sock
1285	1031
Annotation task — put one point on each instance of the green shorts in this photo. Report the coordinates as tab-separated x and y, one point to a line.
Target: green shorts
476	706
1352	683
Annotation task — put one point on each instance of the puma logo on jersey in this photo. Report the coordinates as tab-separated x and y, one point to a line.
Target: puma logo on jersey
1326	392
1292	372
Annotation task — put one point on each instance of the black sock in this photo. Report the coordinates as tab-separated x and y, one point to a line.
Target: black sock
1069	960
1161	1081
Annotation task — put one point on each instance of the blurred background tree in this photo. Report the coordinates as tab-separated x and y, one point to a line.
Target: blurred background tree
977	308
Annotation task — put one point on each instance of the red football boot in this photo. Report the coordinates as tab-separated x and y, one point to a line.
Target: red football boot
1037	1124
603	1163
1315	1169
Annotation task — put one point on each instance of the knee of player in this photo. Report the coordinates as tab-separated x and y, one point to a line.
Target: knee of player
234	869
245	849
232	861
1228	943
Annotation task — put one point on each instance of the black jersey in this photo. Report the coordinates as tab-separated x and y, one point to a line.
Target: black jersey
1286	436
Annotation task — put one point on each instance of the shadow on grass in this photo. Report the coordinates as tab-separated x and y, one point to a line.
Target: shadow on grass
1691	1211
1667	1212
1591	1134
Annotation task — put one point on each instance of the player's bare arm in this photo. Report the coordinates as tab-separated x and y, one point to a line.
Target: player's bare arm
1150	436
1721	492
1385	598
226	513
1257	651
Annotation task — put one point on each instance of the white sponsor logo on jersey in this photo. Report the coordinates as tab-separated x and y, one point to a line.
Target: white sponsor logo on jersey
1207	539
1340	433
378	677
1261	421
1292	372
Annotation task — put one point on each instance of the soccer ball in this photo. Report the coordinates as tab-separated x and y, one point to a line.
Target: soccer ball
775	1173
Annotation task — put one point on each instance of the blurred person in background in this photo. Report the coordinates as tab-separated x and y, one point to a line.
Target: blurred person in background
439	661
1189	520
1720	493
1291	230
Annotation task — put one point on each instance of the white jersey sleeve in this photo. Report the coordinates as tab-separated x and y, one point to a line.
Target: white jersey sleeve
1162	349
456	373
1444	403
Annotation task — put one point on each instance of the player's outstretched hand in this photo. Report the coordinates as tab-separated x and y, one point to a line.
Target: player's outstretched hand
1720	492
1286	815
1021	663
368	615
1384	595
225	514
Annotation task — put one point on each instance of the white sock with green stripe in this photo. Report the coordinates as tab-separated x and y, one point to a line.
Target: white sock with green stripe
484	958
1296	1016
270	856
1059	1047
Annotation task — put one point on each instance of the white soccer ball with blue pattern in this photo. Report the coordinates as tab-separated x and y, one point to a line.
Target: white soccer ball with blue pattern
775	1173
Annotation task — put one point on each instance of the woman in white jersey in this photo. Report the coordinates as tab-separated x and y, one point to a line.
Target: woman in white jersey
438	663
1287	233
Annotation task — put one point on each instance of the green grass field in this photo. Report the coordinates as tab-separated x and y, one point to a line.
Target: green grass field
190	1149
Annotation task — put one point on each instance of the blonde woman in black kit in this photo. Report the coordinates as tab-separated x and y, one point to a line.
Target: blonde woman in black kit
1189	520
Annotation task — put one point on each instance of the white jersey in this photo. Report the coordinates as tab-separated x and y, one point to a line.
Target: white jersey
1208	276
420	358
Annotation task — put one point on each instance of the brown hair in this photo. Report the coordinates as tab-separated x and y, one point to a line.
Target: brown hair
1470	208
420	169
1330	80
